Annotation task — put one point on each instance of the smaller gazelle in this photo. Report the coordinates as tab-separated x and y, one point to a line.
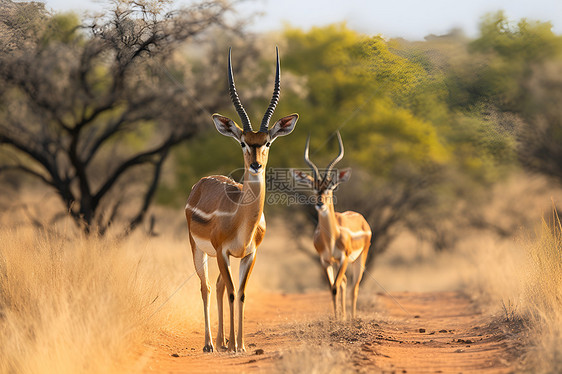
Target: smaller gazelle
226	218
339	238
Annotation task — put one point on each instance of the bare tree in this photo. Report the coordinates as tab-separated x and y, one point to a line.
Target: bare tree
431	203
390	206
91	111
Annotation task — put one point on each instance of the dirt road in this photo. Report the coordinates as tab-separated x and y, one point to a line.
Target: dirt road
399	333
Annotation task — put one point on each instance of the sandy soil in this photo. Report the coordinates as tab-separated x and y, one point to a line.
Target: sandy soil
404	332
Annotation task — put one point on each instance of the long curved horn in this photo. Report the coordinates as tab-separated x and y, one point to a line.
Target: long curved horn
310	163
234	97
274	99
338	157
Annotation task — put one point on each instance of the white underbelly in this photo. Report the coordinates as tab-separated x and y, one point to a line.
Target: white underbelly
333	256
204	245
237	248
355	254
338	255
242	252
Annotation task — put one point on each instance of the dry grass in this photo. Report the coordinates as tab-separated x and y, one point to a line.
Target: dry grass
83	305
522	282
88	305
543	296
70	304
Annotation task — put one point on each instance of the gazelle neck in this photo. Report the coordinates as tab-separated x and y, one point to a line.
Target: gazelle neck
327	220
255	184
253	198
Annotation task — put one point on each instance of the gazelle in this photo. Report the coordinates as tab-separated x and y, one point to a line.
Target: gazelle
339	238
226	218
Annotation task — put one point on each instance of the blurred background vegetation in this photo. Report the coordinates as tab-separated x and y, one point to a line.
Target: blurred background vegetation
103	110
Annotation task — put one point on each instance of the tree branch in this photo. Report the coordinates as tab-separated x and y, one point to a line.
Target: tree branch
139	159
149	193
26	170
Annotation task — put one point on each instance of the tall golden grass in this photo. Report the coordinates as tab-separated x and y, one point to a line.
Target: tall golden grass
522	282
85	305
543	296
74	304
89	305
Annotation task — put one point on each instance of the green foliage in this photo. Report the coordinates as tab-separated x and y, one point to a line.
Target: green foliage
528	41
386	135
210	154
62	28
357	84
406	110
390	100
502	60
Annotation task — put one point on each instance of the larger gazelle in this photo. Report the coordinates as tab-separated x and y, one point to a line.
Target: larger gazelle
340	238
226	218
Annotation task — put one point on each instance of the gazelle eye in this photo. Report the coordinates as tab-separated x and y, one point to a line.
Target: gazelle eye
242	144
267	144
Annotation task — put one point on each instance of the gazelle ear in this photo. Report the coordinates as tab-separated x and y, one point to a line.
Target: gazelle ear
303	178
227	127
283	127
342	175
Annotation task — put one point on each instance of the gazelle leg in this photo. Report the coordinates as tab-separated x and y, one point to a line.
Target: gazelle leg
200	261
343	287
329	270
358	269
246	266
338	281
221	344
223	261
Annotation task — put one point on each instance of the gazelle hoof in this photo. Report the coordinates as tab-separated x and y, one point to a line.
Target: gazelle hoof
208	348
